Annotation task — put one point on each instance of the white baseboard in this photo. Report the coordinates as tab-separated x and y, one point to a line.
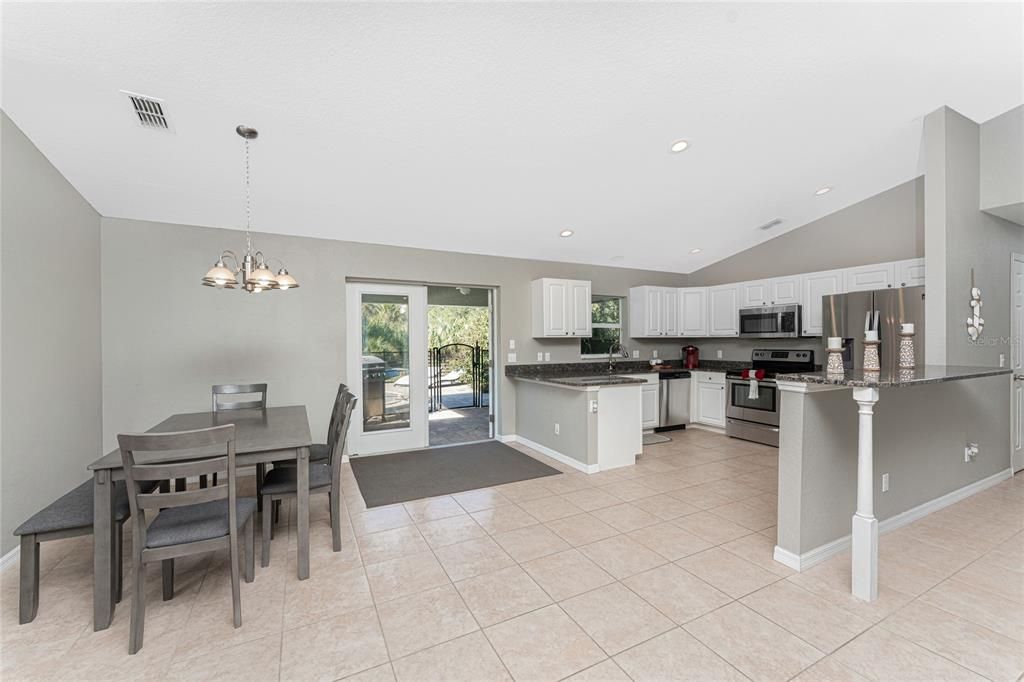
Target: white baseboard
705	427
553	454
801	562
10	558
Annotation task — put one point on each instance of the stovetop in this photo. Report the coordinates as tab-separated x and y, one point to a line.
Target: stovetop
775	362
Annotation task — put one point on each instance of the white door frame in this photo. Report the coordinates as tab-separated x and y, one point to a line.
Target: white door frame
416	435
1017	365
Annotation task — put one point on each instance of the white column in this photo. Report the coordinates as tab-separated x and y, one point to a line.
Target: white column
865	525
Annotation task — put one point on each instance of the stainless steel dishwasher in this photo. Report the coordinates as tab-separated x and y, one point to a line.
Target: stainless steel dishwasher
674	400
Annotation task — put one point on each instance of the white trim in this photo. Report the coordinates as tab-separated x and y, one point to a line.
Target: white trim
801	562
553	454
11	557
706	427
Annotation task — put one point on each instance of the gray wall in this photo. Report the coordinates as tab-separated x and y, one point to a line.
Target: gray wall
1002	165
959	237
538	406
919	436
51	393
167	340
886	227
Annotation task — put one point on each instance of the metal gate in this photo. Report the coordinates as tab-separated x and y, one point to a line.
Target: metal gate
456	367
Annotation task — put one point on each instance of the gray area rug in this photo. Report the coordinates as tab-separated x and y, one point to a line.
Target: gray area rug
655	439
405	476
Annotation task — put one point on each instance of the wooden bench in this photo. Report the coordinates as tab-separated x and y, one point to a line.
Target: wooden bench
69	516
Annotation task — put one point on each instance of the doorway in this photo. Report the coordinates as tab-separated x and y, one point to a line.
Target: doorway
1017	362
460	331
387	366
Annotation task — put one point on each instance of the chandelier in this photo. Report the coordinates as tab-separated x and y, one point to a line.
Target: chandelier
256	275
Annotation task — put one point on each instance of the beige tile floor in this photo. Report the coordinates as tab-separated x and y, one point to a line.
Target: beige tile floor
661	571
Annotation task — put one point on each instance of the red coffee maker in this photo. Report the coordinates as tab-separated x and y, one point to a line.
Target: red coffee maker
691	356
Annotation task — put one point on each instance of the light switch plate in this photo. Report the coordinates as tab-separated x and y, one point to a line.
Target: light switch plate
654	353
547	357
885	483
636	354
718	354
511	358
540	356
511	344
1002	359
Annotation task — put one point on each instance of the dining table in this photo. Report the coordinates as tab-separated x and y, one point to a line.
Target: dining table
262	435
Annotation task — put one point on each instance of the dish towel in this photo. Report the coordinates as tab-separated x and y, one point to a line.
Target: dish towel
754	375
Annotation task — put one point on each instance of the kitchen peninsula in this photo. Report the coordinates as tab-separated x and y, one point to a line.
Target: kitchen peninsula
587	414
935	445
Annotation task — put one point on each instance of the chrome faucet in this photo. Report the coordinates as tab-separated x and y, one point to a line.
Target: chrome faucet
622	353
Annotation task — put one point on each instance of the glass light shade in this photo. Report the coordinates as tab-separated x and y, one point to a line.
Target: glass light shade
286	281
220	276
262	277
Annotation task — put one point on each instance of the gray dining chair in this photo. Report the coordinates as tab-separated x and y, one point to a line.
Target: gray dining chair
281	483
317	451
221	403
187	522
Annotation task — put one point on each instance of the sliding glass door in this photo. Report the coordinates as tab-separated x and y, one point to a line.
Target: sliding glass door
387	366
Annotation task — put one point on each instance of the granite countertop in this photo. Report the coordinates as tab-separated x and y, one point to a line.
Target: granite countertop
896	378
549	370
589	381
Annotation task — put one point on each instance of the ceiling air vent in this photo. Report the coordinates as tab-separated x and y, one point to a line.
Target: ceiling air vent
770	224
150	112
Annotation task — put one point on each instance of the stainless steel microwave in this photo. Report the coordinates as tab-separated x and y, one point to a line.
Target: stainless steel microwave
770	322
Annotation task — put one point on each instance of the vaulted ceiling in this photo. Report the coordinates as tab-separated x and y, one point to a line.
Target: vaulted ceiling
491	127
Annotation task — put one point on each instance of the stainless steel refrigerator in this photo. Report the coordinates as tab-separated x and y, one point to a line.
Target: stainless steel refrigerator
844	314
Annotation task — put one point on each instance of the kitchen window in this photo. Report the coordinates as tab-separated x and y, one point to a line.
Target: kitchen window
606	318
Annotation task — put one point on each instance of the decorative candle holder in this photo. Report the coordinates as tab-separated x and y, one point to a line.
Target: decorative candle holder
871	361
906	350
835	362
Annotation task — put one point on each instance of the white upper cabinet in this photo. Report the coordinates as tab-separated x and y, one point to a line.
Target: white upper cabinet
581	306
869	277
670	312
693	311
753	294
653	311
723	310
786	290
910	273
776	291
561	307
815	286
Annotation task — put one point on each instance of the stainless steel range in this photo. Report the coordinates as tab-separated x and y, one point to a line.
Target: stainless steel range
756	417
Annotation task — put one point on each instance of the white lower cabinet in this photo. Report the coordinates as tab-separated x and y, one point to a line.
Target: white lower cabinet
649	400
707	398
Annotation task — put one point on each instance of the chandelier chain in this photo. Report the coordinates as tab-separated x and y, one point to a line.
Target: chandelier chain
248	203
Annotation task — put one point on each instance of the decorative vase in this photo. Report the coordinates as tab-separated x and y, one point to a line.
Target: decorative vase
906	350
835	362
871	361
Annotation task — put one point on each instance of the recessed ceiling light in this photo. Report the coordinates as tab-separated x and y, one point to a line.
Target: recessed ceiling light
696	250
565	233
822	190
679	145
770	224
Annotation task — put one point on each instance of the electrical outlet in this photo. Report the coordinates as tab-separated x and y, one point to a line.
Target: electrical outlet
540	356
547	357
1002	359
511	358
593	406
654	353
718	354
511	344
885	483
636	354
970	451
558	428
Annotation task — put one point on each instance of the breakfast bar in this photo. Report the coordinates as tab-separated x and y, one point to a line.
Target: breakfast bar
936	442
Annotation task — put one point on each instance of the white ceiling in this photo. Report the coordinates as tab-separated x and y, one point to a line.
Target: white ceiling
488	128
